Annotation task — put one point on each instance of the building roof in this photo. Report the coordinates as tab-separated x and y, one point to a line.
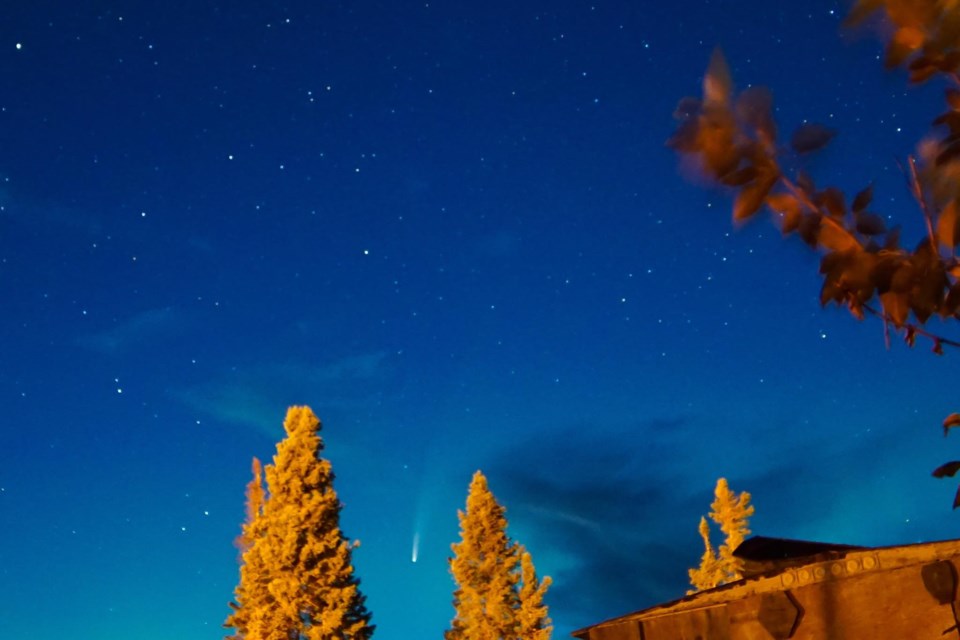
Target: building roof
774	564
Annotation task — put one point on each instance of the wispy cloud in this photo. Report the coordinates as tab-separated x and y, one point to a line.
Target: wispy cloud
257	395
615	512
136	329
606	512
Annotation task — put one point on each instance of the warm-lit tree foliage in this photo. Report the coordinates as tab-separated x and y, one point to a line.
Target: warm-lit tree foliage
731	512
498	596
532	616
865	268
296	578
708	574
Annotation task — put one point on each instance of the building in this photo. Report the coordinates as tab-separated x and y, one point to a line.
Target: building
812	591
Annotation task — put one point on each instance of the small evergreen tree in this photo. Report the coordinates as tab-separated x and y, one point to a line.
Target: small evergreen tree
708	574
731	512
532	616
296	577
488	569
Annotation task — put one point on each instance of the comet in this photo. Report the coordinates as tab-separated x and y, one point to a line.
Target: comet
416	547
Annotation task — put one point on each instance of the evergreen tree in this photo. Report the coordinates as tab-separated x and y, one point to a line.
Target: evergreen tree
731	512
486	566
296	578
709	573
532	616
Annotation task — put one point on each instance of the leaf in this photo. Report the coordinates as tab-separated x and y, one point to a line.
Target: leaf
947	232
752	196
947	153
947	470
952	420
809	228
895	307
869	224
811	137
922	69
715	140
956	499
951	119
937	346
862	200
952	302
831	199
717	83
788	207
953	98
836	237
740	177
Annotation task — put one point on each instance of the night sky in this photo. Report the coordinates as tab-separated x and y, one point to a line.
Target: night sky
453	230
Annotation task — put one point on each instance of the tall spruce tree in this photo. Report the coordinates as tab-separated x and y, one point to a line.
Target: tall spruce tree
731	512
489	569
296	577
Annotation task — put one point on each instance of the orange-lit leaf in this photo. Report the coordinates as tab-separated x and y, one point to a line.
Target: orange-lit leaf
909	37
751	197
835	237
952	420
895	307
810	137
717	84
787	206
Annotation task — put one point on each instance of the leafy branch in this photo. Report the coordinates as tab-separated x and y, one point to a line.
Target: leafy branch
732	138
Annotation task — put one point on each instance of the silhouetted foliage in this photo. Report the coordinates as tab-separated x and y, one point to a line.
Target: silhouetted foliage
865	268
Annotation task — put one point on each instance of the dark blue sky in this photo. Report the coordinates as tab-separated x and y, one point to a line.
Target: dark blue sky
453	229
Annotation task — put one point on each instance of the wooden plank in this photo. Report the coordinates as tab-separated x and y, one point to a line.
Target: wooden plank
701	624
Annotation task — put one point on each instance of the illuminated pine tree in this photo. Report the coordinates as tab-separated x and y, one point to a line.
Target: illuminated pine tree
731	512
296	580
709	574
486	566
532	615
252	597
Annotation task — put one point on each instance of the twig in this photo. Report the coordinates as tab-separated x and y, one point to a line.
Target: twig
918	194
920	331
